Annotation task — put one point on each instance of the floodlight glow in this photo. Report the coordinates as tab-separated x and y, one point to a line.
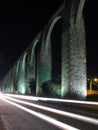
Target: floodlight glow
43	117
22	87
60	112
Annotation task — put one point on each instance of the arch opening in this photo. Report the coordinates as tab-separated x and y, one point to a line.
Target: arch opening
56	45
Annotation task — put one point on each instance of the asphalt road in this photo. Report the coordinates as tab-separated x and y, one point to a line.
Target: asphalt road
66	115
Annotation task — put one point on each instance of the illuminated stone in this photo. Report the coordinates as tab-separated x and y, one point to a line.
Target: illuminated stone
22	80
73	51
36	62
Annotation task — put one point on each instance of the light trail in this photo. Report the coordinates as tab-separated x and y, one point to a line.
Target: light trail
52	99
1	94
60	112
43	117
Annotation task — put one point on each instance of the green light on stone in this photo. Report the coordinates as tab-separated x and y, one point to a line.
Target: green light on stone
22	89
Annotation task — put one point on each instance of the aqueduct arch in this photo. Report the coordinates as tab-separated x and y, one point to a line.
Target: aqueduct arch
73	52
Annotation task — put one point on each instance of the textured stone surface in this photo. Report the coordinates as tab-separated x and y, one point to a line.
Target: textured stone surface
73	57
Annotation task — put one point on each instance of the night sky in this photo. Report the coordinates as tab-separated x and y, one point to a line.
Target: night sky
91	25
20	22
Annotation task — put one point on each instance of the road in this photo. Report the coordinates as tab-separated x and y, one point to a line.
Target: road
53	114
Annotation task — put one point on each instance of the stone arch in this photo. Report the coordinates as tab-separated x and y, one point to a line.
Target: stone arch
56	47
16	75
31	68
38	66
50	31
79	11
49	46
22	76
10	80
52	53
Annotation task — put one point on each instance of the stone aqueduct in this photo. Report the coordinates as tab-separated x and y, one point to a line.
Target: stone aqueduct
57	51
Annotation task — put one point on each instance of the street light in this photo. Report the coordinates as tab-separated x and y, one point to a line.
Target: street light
91	82
95	79
90	91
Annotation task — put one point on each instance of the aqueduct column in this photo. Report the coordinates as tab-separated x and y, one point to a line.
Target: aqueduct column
73	50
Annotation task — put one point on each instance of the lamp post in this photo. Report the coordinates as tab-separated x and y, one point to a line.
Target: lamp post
91	84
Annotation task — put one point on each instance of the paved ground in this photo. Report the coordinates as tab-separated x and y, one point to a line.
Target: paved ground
1	125
13	118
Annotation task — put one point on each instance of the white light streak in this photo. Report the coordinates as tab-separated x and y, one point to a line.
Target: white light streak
52	99
1	95
43	117
23	97
60	112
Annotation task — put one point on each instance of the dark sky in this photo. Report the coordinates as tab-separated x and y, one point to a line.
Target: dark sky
21	21
91	25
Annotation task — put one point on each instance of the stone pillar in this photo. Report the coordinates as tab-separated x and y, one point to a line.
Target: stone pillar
73	51
65	50
43	64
